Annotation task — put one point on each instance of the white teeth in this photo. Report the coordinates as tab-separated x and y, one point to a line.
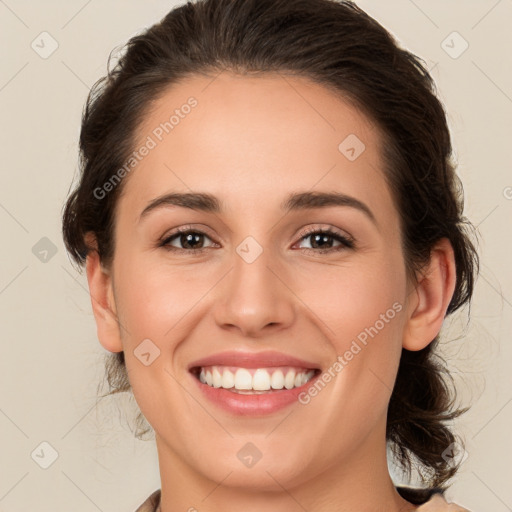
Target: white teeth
277	381
289	380
258	380
228	380
261	380
217	378
243	379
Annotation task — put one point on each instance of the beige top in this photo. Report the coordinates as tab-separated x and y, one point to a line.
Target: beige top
435	504
438	503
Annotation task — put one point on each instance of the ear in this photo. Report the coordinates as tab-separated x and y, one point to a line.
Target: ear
102	299
430	298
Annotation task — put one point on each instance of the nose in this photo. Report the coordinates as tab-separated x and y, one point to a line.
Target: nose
255	298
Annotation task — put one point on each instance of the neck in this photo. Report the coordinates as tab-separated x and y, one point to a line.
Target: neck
360	482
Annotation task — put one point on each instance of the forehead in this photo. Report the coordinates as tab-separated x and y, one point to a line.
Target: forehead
244	138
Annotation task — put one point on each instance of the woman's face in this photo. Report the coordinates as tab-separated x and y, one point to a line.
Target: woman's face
255	275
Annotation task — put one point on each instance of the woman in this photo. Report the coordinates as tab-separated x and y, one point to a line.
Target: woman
273	235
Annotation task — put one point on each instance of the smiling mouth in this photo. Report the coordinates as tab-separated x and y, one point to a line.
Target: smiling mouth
252	381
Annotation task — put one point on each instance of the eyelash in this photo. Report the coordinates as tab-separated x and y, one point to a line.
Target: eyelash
346	242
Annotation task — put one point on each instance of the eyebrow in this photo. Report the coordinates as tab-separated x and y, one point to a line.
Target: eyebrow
294	202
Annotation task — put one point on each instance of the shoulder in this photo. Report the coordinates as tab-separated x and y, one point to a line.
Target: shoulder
438	504
151	504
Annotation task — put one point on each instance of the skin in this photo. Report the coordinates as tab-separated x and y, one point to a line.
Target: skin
251	141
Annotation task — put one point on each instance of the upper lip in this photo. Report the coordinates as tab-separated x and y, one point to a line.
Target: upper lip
264	359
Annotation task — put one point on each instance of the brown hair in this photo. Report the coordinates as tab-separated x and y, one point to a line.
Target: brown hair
339	46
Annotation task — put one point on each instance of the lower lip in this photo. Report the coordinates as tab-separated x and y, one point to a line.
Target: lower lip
252	405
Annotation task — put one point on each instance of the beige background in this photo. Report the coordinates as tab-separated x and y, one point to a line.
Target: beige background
51	362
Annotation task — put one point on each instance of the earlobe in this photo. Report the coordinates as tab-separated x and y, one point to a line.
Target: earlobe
431	298
102	301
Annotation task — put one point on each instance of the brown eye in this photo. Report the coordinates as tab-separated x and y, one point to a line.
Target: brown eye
187	240
323	241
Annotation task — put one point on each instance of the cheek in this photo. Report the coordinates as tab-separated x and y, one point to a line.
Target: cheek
361	313
154	299
349	300
153	305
